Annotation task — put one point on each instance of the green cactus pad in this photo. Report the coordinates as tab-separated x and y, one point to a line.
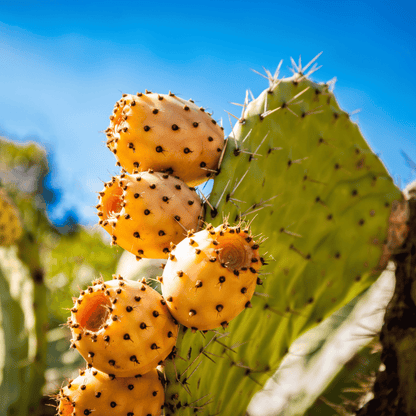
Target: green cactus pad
300	171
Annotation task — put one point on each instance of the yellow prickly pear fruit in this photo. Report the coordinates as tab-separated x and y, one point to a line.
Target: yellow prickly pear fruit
145	212
167	134
96	393
122	327
10	222
211	276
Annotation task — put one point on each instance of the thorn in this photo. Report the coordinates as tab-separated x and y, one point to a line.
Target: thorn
229	114
223	192
267	113
223	345
207	202
240	105
305	256
331	84
295	68
259	73
313	69
312	61
248	134
237	200
264	138
236	186
289	109
244	105
297	95
248	212
276	73
222	153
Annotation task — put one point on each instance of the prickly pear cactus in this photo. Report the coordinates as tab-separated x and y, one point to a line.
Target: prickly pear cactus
301	173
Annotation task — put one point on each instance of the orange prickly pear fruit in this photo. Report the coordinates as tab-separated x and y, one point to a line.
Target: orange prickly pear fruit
210	276
122	327
96	393
145	212
165	133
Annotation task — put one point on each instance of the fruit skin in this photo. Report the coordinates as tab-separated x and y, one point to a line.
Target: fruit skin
165	133
10	222
122	327
145	212
210	276
96	393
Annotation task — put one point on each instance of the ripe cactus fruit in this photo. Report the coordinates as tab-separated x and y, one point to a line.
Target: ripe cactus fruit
167	134
122	327
145	212
96	393
10	223
211	276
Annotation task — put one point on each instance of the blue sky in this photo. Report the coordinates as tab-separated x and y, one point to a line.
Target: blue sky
64	64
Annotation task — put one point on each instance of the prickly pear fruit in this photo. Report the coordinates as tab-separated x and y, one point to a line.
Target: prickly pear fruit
122	327
167	134
96	393
145	212
211	276
10	223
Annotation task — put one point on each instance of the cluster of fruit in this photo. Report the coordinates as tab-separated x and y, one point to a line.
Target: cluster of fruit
124	329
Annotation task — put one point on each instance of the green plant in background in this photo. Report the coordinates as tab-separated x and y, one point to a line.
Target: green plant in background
298	170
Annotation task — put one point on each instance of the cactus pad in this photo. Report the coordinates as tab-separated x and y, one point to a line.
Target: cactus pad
301	172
